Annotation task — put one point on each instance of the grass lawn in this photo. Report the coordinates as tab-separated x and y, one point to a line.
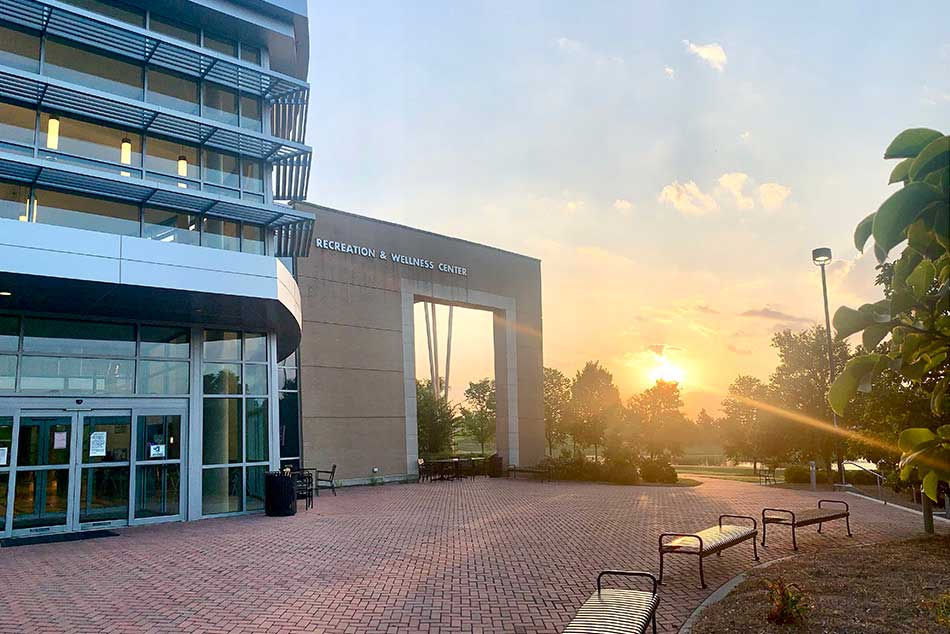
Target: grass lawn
878	589
740	474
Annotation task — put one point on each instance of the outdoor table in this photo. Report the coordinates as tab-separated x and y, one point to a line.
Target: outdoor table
448	468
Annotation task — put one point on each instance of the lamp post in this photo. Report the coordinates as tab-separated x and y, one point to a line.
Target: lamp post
821	257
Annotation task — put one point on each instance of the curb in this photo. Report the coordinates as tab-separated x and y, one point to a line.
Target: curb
937	516
723	591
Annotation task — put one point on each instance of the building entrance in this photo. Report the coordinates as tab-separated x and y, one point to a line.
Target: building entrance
66	467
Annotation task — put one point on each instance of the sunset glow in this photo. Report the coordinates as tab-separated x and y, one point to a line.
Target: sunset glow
666	370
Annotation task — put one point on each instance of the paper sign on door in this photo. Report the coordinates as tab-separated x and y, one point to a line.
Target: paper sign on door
3	456
97	444
59	440
156	451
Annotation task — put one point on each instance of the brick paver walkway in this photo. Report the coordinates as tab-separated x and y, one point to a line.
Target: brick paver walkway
472	556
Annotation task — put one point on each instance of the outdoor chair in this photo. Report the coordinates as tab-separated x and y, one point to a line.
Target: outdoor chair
617	609
806	517
767	477
425	472
325	479
708	541
303	485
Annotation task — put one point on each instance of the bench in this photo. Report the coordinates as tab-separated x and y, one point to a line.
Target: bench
767	477
708	541
617	609
545	474
806	517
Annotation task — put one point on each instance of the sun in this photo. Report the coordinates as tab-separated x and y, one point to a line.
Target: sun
666	370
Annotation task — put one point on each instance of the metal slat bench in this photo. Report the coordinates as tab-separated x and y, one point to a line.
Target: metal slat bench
617	610
806	517
708	541
544	472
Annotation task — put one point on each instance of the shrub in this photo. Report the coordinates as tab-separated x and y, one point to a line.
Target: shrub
658	470
581	469
789	604
797	474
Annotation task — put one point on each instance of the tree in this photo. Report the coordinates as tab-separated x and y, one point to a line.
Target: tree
436	419
663	426
800	384
595	405
478	421
743	421
557	399
915	311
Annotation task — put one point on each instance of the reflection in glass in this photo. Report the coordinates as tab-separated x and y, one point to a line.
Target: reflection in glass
222	345
170	226
220	104
40	498
222	378
251	113
19	49
162	377
251	54
255	346
256	430
221	234
4	483
253	241
44	441
221	490
60	374
118	438
92	70
221	45
104	494
84	212
173	91
221	168
221	438
170	342
17	124
177	30
255	488
286	378
13	202
62	336
6	440
159	437
157	490
8	371
252	178
255	379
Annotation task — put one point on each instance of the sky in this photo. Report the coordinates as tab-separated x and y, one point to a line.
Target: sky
671	163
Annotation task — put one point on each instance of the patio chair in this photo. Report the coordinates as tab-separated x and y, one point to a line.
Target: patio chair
325	479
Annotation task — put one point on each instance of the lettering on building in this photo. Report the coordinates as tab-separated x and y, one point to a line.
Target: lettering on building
397	258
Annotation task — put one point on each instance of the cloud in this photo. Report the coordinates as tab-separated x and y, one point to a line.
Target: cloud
713	54
659	348
772	195
776	315
669	72
567	44
732	183
688	198
706	310
624	206
745	135
571	207
737	350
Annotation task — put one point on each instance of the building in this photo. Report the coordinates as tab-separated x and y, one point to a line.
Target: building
158	275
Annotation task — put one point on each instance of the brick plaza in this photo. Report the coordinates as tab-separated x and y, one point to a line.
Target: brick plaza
468	556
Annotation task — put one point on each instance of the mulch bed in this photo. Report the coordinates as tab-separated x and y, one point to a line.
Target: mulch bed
879	589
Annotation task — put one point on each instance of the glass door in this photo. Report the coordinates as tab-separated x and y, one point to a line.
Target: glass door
158	465
42	478
104	468
6	459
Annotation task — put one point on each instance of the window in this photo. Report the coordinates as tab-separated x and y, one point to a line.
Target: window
253	239
17	124
236	428
174	91
251	113
78	375
14	201
170	342
87	141
252	178
92	70
62	336
169	226
174	159
220	104
221	45
251	54
221	168
174	29
221	234
19	49
83	212
114	10
9	333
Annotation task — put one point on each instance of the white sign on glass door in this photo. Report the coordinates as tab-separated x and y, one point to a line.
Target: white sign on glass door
97	444
156	451
3	456
59	440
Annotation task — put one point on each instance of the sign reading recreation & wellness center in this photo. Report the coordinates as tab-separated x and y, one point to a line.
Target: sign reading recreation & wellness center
407	260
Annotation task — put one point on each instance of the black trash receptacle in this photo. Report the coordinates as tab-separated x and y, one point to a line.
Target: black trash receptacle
495	466
280	495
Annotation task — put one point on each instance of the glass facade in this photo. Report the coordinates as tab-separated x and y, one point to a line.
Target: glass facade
236	421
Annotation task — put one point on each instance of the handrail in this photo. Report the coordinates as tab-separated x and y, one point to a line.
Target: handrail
880	479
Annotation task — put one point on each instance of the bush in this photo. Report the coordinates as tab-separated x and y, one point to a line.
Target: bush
580	469
789	604
797	474
658	470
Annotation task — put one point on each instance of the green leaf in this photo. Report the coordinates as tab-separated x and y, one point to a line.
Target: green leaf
901	302
846	384
933	157
848	321
911	439
899	211
906	470
874	334
863	232
929	485
909	143
922	278
900	171
944	430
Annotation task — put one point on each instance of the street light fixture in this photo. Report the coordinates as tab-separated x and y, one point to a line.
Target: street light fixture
821	257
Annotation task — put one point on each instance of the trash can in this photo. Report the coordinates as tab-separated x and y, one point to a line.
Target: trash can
495	466
280	494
